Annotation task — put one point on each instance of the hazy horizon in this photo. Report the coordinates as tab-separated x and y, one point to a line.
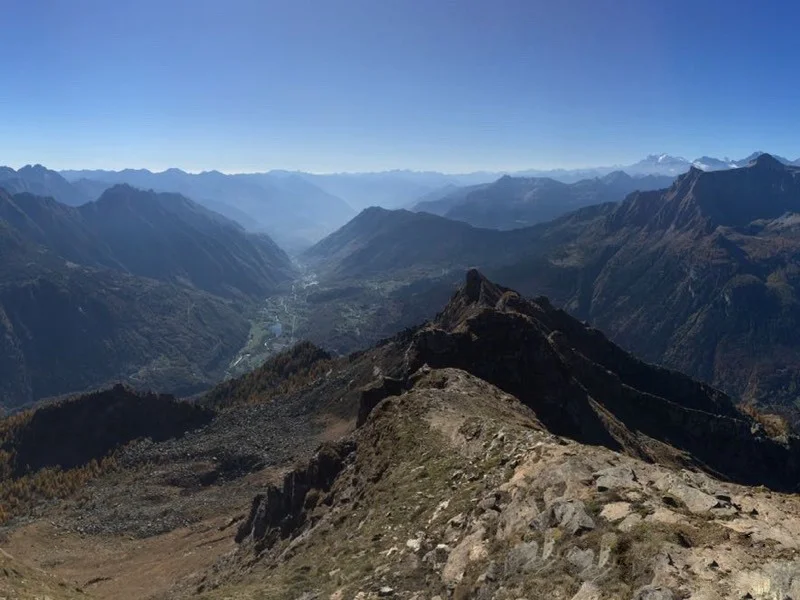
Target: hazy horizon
590	167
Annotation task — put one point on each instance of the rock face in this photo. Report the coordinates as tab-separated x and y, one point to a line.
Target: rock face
583	386
280	510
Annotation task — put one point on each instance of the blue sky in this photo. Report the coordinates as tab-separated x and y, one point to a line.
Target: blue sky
335	85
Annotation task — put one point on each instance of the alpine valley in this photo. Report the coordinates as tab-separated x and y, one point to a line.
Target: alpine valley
578	385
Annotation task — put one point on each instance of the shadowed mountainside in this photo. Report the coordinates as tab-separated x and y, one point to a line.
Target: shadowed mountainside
148	288
290	208
161	236
72	433
514	202
700	277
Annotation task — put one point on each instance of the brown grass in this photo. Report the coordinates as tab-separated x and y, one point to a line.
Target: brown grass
774	425
19	495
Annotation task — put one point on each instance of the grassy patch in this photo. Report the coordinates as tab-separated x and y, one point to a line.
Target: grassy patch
403	472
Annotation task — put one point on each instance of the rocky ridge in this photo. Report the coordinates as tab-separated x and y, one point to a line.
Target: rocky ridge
518	453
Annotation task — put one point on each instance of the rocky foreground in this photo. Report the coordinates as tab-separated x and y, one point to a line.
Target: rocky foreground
454	489
517	453
502	451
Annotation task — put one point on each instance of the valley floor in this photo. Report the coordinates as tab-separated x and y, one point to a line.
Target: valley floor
339	316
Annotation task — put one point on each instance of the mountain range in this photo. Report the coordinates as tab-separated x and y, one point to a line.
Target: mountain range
700	276
288	207
665	164
146	287
613	420
298	208
662	272
513	202
40	181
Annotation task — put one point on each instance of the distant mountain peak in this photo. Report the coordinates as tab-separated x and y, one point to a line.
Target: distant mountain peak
709	163
479	290
616	177
118	187
663	164
694	171
753	156
767	161
36	168
664	158
375	210
702	200
120	192
41	181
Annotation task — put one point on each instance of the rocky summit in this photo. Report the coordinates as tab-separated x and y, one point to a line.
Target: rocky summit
503	450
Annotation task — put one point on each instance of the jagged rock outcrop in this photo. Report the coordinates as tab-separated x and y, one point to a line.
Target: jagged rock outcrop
583	386
372	394
281	511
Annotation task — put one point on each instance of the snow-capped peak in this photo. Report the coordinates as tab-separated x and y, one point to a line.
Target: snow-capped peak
665	159
709	163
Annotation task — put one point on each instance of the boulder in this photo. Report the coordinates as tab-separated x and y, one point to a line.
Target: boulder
569	515
523	558
651	592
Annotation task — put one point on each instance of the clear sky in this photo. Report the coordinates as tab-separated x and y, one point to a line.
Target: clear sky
333	85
